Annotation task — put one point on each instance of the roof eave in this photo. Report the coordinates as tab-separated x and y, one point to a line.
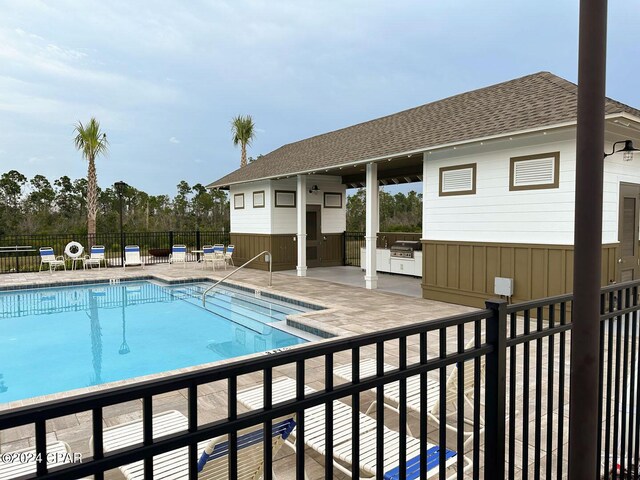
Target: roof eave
625	115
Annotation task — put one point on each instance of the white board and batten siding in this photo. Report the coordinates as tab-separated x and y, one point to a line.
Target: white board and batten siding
333	220
282	220
494	213
250	219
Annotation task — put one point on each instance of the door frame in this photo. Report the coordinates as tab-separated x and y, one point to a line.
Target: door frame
627	190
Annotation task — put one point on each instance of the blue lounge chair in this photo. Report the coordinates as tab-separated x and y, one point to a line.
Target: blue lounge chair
48	258
228	254
132	256
178	255
96	257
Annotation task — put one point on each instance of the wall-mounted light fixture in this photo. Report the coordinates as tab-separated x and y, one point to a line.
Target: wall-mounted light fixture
627	150
313	189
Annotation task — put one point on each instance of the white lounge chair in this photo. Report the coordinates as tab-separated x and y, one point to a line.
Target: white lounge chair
213	462
213	255
178	255
96	257
47	257
314	434
59	451
218	251
228	254
132	256
392	392
207	255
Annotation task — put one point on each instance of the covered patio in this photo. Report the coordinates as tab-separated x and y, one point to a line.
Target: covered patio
352	276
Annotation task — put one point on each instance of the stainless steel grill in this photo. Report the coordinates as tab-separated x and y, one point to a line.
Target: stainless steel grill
405	248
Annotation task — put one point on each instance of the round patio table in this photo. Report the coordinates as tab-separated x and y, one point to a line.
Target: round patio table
197	252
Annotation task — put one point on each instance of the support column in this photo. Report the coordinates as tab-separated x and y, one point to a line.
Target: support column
424	199
301	214
584	428
372	225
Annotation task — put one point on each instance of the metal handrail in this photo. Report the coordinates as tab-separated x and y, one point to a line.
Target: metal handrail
204	295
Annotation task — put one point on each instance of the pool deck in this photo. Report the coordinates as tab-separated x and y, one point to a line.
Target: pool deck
351	310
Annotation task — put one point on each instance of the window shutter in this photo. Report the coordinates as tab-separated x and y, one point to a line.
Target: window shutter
459	180
539	171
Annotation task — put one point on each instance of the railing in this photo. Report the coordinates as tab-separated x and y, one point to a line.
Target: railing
353	242
484	395
154	246
267	253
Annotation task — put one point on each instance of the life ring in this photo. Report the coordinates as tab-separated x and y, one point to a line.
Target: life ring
73	250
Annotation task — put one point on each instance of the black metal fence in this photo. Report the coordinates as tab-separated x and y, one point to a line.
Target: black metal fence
479	395
353	242
154	246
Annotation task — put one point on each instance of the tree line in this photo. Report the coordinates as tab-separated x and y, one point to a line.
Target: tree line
38	205
398	213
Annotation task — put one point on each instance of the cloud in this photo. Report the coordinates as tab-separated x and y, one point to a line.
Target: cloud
64	53
28	101
174	140
36	159
54	65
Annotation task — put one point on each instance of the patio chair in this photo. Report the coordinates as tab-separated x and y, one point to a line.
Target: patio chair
392	392
207	255
213	462
56	450
213	255
178	255
228	254
96	257
314	435
47	257
132	256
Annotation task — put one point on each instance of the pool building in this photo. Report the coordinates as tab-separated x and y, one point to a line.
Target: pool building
497	167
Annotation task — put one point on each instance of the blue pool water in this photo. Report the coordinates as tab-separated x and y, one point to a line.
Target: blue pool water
58	339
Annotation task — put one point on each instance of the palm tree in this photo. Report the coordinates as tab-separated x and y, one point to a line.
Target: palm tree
243	130
91	142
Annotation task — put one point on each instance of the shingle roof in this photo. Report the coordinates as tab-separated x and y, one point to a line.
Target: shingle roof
534	101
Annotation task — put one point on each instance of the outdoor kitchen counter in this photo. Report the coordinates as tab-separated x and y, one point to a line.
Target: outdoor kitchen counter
386	263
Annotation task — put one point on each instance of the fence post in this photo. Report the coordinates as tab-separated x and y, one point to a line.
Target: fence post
124	244
495	390
197	239
171	239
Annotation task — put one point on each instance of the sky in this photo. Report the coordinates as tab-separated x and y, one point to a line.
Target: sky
165	78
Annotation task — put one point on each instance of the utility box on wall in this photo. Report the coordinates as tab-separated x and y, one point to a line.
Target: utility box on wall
503	286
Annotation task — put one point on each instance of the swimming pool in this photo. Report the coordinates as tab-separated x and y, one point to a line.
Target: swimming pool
58	339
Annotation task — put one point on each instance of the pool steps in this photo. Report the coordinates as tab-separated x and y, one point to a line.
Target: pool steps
241	307
245	301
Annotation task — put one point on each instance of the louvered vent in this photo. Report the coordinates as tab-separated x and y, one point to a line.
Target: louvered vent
540	171
459	180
